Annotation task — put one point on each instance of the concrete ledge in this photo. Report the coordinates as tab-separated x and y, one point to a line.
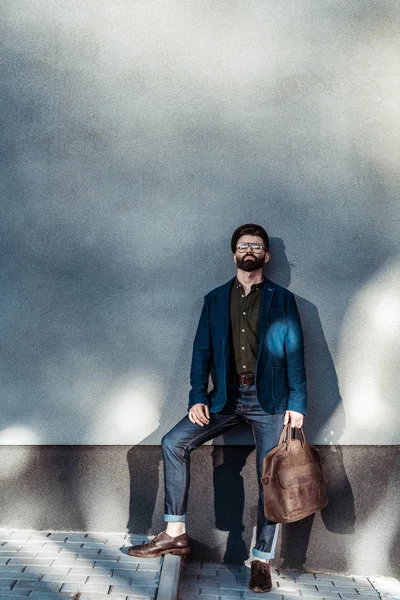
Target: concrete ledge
168	586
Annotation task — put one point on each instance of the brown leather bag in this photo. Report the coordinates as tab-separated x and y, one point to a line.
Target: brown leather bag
292	478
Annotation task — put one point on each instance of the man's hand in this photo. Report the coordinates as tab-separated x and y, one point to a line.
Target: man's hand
199	414
295	418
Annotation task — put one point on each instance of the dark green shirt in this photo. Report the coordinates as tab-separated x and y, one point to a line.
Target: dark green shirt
244	321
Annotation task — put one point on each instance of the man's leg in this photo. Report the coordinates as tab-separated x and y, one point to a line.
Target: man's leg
177	445
266	429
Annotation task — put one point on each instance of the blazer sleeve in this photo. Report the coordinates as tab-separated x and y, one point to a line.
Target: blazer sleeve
294	352
201	359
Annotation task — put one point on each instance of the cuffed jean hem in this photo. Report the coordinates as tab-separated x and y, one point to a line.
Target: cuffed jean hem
175	518
266	555
271	554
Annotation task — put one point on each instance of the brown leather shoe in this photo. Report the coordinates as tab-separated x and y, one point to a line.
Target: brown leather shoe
260	577
162	544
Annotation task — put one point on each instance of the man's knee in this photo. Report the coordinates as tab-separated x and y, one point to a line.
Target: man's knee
168	443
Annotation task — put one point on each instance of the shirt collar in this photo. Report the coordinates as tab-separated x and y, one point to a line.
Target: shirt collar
255	286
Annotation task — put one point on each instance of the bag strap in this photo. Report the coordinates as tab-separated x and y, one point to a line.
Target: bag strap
303	437
287	432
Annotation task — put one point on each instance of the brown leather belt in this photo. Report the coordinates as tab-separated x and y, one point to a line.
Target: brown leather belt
246	379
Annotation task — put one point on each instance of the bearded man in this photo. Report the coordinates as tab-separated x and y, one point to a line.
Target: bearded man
249	339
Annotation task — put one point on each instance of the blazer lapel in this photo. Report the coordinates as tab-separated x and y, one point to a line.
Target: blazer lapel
266	299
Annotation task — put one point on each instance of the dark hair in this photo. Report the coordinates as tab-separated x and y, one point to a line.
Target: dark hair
249	229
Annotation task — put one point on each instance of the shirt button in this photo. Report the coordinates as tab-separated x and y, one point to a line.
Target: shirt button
244	312
243	348
244	366
242	330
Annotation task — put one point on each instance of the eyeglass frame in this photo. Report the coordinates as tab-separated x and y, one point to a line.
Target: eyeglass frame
250	244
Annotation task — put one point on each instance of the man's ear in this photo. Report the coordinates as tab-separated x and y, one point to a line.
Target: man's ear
267	257
234	258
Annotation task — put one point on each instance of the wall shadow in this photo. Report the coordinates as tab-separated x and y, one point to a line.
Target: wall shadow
324	401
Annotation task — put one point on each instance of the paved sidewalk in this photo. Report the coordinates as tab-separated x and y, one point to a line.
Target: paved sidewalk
85	566
206	581
94	566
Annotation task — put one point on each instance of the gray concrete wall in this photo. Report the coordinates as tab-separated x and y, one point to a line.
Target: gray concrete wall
136	137
111	488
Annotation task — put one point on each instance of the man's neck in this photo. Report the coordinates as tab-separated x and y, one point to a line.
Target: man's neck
247	279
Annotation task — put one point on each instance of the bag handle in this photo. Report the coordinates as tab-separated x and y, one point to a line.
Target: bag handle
286	434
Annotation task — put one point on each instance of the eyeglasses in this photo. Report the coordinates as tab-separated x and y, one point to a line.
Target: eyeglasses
243	246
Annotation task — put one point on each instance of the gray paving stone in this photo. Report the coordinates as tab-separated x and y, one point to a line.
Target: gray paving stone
112	564
143	568
127	559
46	550
52	569
102	559
32	584
46	562
71	547
101	588
100	538
67	561
19	575
230	586
124	573
203	597
316	594
147	562
289	586
89	571
84	550
225	593
387	586
92	556
70	578
58	536
273	595
21	536
91	596
108	556
309	597
49	596
6	584
100	578
16	595
137	590
223	578
350	590
76	537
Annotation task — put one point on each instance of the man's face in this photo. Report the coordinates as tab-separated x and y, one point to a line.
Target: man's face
249	259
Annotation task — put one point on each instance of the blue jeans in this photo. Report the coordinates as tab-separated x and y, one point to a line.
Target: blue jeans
186	436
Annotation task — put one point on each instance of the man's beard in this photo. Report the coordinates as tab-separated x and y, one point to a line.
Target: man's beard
250	264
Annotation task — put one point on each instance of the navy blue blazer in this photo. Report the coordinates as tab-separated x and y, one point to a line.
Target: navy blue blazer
280	372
